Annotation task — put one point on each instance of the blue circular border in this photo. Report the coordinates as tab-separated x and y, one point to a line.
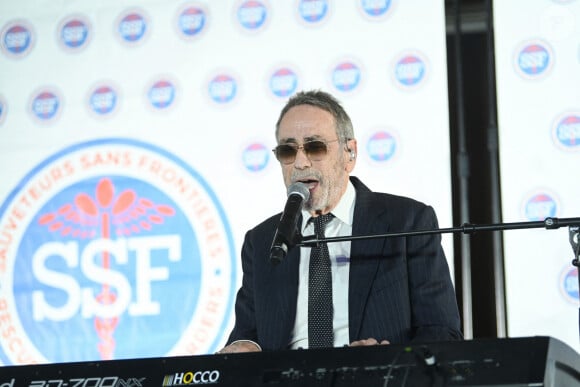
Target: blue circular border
176	160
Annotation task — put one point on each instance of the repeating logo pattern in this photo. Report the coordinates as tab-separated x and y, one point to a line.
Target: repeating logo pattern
410	70
103	99
313	12
566	131
534	59
256	157
223	88
46	105
17	39
74	33
283	82
192	21
540	205
376	10
162	94
252	15
132	27
382	146
346	76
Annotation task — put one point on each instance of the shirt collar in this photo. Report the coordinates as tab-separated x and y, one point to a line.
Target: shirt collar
344	210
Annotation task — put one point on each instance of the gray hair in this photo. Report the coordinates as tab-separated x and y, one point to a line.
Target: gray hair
324	101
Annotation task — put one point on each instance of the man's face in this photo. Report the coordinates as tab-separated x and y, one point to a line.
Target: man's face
326	177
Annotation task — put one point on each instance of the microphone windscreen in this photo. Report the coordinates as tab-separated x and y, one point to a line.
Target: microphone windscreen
300	189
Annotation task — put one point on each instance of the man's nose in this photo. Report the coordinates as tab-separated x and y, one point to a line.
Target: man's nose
302	161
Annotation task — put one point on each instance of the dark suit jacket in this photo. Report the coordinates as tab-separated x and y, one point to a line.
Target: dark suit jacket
399	288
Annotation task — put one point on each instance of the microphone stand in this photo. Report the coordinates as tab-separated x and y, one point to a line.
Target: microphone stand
574	235
467	228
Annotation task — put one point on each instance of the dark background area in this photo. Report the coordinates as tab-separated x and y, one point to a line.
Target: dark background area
479	277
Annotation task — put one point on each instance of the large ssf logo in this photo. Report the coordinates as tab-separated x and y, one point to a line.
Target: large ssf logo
113	249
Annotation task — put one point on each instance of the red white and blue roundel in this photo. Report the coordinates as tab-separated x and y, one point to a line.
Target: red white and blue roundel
252	15
534	60
410	70
566	131
17	39
161	94
192	21
283	82
132	27
375	9
255	157
103	99
46	105
346	76
540	206
223	88
112	249
381	146
313	12
74	33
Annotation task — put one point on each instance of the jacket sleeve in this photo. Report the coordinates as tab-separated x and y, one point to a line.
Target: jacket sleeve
435	316
245	318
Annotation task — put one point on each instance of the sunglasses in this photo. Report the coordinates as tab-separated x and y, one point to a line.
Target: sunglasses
315	151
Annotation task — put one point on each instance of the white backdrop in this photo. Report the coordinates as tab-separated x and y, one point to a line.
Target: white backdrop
135	153
538	88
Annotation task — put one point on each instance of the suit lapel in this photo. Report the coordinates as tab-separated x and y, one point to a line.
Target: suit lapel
283	280
363	257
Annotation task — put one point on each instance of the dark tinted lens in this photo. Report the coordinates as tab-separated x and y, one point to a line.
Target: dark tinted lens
315	149
286	153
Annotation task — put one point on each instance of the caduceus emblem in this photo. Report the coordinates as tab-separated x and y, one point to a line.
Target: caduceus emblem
106	214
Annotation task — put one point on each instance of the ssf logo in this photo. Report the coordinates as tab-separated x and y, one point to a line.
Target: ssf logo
113	249
255	157
74	33
46	105
533	60
375	9
540	206
252	15
17	39
566	131
222	88
381	146
283	82
103	100
191	21
132	26
313	12
409	71
161	94
346	76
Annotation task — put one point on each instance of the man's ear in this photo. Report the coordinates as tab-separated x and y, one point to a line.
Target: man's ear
351	147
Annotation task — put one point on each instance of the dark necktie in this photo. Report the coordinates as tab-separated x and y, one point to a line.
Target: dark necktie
320	311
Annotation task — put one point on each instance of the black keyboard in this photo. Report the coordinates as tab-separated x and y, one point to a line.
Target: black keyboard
529	361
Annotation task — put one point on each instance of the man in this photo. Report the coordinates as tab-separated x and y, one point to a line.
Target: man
385	290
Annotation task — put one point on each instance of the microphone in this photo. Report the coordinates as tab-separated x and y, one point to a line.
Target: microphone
286	232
